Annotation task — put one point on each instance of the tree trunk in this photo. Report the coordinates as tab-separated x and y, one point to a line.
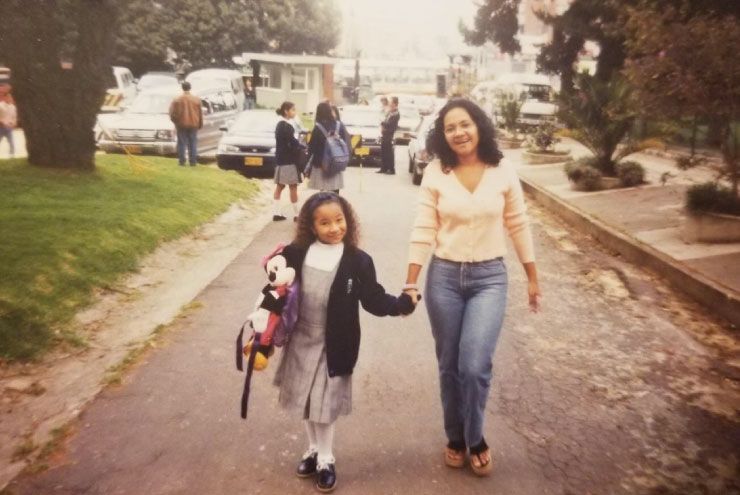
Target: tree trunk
58	106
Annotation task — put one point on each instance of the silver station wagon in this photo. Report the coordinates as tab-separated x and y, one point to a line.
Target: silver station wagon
145	127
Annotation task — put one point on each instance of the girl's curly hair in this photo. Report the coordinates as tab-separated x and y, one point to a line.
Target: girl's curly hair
305	235
488	150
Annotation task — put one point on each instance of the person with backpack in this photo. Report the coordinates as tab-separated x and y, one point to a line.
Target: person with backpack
335	276
329	149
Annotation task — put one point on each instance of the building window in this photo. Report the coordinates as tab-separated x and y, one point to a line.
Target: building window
311	78
298	79
275	81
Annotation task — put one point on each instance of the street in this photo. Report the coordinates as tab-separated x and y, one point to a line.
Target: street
608	390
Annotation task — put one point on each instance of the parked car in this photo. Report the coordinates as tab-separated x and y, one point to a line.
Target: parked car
249	144
409	121
419	156
223	79
363	121
145	126
156	79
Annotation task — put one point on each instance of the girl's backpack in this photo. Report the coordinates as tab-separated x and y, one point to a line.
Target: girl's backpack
336	151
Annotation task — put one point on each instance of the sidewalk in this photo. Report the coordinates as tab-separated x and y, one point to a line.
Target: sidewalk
643	224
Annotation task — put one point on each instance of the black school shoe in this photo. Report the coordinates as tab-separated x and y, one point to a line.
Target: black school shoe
327	479
277	218
307	467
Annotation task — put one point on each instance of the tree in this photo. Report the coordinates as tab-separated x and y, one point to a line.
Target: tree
496	21
685	62
596	20
140	38
58	105
600	116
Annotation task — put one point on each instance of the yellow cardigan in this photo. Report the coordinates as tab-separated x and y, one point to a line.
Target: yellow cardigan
469	227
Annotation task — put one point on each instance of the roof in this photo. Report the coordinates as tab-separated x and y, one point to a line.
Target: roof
285	59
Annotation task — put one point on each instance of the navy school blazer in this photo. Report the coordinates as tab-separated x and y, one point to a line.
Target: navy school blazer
354	283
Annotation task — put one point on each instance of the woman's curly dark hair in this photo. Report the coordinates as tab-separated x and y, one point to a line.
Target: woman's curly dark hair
488	150
304	234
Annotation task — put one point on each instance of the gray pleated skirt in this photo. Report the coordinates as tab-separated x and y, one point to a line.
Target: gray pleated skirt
302	375
286	175
323	182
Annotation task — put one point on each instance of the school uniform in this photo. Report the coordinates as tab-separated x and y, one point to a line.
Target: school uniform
319	180
286	149
314	374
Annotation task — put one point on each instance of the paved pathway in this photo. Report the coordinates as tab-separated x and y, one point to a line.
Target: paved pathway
602	392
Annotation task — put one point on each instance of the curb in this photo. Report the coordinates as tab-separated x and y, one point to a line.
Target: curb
707	292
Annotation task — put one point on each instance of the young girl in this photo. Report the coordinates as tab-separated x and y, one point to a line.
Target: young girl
315	372
286	169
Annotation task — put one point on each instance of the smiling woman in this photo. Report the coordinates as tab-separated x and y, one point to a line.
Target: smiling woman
468	197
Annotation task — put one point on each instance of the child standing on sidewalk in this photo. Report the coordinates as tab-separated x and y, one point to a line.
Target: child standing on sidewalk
315	372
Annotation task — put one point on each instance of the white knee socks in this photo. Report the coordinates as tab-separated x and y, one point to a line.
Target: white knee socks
321	439
276	207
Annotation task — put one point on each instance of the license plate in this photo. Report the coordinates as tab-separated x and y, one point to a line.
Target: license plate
131	148
362	151
253	161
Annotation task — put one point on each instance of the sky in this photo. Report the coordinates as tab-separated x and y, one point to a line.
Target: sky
405	28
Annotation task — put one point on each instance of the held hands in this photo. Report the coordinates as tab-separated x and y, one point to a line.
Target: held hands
407	302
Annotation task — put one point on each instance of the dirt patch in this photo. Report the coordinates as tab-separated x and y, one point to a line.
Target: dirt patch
40	398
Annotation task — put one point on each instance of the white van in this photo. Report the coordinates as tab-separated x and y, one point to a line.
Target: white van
535	91
121	90
223	79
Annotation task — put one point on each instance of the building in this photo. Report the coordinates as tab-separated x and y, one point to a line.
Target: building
305	80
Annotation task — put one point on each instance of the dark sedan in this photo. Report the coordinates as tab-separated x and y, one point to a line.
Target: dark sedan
249	144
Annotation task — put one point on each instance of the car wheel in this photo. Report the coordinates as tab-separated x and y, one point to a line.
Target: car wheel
416	178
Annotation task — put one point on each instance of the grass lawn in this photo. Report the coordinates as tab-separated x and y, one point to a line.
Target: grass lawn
65	233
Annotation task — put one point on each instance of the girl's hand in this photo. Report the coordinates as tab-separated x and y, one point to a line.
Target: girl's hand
415	296
533	289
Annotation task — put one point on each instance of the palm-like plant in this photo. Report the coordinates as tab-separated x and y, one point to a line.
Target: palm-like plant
600	116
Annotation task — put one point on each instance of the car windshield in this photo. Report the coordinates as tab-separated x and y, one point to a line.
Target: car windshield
151	80
209	82
260	122
538	92
361	119
151	104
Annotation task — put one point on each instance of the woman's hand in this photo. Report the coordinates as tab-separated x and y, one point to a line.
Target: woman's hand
415	296
533	289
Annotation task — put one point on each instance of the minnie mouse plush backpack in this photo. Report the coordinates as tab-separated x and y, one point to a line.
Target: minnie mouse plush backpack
272	320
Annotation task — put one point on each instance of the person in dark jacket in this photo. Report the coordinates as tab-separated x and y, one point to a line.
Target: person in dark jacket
387	130
318	179
315	372
287	150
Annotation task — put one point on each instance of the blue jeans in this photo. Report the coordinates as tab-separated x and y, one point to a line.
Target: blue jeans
466	304
187	139
7	132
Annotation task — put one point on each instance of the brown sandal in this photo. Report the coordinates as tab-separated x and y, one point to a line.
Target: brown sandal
455	454
477	464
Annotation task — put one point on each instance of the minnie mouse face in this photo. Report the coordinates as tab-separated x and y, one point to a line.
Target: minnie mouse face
278	271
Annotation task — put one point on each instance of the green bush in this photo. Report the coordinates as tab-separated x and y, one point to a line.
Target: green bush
544	137
686	162
630	173
584	174
712	197
510	108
